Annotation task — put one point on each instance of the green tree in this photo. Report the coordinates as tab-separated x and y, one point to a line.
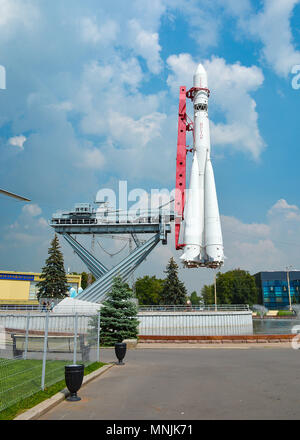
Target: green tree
174	291
195	299
118	315
54	283
233	287
208	295
85	278
148	290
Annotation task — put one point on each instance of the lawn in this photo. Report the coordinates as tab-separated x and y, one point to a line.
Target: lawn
20	384
285	313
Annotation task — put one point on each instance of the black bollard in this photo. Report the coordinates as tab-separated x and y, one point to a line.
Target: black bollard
74	377
120	350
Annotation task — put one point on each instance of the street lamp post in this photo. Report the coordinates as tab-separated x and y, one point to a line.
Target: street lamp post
289	289
216	307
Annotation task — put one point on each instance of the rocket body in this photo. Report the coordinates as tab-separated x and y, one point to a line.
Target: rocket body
202	234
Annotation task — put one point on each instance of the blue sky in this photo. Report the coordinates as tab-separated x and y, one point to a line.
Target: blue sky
92	97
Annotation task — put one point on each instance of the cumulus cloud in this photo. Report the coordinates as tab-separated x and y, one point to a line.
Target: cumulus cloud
266	246
17	12
146	44
32	210
131	119
231	86
17	141
28	229
272	26
282	205
104	34
281	209
92	159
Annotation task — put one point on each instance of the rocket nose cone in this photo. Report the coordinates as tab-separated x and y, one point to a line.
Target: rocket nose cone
200	77
200	70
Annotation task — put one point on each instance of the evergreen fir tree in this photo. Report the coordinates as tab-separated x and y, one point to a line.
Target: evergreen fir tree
174	291
118	315
54	282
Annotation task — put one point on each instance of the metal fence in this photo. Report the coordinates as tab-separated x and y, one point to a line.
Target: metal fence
195	323
192	308
35	347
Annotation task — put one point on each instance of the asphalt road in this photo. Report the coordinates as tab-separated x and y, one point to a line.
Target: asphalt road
192	384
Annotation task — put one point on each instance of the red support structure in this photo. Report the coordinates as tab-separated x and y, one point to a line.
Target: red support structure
184	124
180	165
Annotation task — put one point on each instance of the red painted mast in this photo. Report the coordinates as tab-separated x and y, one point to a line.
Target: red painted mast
183	126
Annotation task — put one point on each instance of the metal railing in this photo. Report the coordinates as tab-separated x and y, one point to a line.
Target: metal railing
192	308
150	308
34	349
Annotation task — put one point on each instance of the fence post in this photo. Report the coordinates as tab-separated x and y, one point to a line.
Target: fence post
45	350
26	337
75	338
98	338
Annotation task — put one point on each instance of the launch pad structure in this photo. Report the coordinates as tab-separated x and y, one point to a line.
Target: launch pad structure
85	219
197	219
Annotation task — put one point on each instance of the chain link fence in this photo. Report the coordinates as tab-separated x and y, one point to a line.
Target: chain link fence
35	347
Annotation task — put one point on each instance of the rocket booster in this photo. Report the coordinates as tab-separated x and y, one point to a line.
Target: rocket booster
201	228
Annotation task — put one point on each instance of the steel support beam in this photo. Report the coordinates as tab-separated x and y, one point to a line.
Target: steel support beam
98	290
95	266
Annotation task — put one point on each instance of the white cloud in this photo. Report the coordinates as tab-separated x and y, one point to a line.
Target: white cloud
282	209
18	141
43	222
282	205
272	26
32	209
130	119
251	230
231	86
135	133
267	246
92	159
17	12
146	44
104	34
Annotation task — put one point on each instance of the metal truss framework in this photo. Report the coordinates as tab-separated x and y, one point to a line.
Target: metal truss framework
98	290
104	276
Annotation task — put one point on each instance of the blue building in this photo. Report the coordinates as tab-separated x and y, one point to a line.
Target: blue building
273	288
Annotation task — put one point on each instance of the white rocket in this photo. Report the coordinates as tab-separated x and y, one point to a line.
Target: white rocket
201	231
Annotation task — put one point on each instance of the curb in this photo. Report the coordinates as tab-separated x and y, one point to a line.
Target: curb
216	346
259	338
43	407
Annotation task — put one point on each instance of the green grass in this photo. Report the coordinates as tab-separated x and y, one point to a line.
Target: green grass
285	313
33	379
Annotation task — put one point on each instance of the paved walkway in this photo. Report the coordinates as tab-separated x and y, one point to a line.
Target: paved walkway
192	384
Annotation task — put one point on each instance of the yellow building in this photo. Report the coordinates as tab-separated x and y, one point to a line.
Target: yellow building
20	287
